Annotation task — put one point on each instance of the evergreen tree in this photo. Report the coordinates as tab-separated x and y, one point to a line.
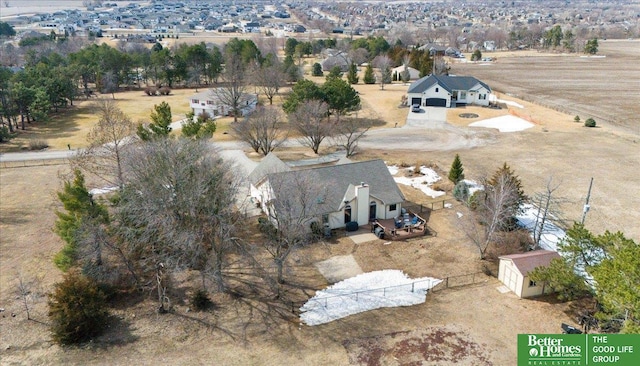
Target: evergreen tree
591	47
352	75
515	181
77	309
201	127
335	72
160	123
456	173
80	208
317	70
369	77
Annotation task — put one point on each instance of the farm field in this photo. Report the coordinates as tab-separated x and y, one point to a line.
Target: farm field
604	87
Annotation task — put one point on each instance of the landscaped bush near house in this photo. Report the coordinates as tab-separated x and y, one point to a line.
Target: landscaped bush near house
77	310
590	122
38	144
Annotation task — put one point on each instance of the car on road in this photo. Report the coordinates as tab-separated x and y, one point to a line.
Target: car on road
415	108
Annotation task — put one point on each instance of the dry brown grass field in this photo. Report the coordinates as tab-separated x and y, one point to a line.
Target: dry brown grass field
604	87
247	331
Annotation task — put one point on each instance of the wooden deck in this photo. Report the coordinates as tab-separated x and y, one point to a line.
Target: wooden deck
406	230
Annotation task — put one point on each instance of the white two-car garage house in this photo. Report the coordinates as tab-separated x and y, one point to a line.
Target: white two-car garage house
448	91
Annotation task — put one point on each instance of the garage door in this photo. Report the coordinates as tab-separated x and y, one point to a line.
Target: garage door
417	101
436	102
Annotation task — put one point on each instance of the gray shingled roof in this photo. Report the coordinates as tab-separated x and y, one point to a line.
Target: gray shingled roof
336	179
450	83
269	164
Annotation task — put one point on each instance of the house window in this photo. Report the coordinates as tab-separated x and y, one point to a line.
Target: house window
482	96
437	90
463	95
392	207
195	101
532	283
210	102
325	218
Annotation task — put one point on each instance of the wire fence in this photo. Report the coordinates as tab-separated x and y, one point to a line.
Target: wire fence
432	206
399	290
31	163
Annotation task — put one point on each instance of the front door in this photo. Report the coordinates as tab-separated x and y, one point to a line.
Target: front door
372	211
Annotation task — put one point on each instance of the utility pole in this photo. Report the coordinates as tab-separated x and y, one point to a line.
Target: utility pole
586	204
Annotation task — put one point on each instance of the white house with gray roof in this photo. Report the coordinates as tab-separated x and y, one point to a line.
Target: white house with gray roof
356	191
448	91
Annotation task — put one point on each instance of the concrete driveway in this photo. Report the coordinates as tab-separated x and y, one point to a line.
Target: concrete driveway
428	117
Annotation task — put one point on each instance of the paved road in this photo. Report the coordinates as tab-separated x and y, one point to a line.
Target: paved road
422	136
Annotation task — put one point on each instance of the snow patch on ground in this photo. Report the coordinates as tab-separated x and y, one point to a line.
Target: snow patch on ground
504	123
510	102
473	186
97	191
551	233
368	291
393	169
420	181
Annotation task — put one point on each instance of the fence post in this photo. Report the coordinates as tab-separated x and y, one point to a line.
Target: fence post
384	292
473	279
447	283
413	285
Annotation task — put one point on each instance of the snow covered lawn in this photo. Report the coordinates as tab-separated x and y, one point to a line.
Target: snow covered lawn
421	181
504	123
368	291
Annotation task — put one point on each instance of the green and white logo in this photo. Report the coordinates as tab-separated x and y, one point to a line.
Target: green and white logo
578	349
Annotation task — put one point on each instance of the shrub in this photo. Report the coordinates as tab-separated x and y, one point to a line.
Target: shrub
576	119
266	227
461	191
151	91
590	122
4	134
38	144
77	310
317	70
201	301
165	90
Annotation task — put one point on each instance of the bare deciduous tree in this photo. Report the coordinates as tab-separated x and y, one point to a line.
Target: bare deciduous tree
548	207
349	131
262	130
299	197
233	87
107	142
177	211
493	209
269	79
310	120
383	63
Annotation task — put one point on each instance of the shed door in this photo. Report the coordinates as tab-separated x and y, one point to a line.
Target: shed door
510	278
436	102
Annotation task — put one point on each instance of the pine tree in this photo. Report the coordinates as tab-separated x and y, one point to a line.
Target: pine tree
352	75
456	173
160	123
317	70
77	309
369	78
515	181
79	206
